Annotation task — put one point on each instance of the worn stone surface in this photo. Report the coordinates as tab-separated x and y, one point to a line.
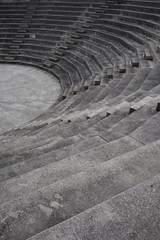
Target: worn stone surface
25	92
80	192
30	164
78	169
149	132
31	181
133	214
128	124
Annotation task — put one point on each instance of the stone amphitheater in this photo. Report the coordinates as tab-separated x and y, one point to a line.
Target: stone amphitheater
80	120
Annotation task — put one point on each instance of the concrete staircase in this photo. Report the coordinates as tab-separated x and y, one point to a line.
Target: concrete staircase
89	166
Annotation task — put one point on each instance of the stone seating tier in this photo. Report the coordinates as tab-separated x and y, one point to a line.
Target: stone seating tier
88	166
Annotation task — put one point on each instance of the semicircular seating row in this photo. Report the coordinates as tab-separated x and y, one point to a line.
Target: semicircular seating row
83	169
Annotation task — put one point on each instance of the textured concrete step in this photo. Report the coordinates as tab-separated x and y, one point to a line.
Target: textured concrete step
89	97
80	125
141	103
137	81
27	144
102	125
110	99
79	192
106	89
121	85
11	157
31	181
135	95
152	80
121	120
149	131
114	115
140	94
109	110
92	91
133	214
27	165
38	128
133	90
129	123
70	124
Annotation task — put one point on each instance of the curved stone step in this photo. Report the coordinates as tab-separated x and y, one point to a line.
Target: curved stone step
31	181
133	214
129	124
26	165
149	131
69	197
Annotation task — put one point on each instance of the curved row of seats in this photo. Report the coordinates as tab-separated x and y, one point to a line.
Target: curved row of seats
87	167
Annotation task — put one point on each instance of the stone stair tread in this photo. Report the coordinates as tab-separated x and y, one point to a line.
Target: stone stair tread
129	123
102	125
122	210
30	164
121	174
40	177
149	131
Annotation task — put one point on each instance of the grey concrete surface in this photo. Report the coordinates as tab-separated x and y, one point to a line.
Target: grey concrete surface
129	124
41	177
25	92
55	180
149	131
30	164
131	215
78	193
